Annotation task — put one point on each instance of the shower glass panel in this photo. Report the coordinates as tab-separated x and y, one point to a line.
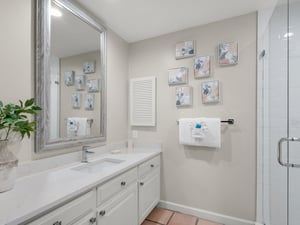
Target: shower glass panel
293	36
279	114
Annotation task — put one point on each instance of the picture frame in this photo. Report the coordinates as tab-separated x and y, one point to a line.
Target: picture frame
80	82
202	67
228	53
178	76
210	91
185	49
89	102
92	85
69	78
89	67
183	95
76	100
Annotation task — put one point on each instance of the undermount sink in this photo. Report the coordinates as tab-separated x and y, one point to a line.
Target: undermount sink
98	166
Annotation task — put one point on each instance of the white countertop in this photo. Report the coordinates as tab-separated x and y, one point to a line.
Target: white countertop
35	194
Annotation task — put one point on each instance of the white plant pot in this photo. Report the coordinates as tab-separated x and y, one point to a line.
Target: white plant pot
7	178
8	167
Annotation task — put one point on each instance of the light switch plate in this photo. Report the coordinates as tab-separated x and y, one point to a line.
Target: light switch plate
135	134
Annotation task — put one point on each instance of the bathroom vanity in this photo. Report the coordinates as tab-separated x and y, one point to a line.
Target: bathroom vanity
110	189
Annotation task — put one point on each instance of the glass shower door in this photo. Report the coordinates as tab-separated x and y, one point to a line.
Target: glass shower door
280	113
287	113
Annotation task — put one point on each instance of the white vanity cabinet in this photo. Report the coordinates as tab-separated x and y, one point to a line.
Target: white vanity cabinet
149	186
117	200
125	199
80	211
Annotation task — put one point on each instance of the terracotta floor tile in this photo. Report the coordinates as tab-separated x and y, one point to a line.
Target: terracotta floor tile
206	222
147	222
160	215
182	219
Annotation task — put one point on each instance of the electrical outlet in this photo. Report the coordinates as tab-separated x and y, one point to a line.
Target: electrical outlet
135	134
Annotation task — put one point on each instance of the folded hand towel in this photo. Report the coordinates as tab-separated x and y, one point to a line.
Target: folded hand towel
72	127
200	132
78	126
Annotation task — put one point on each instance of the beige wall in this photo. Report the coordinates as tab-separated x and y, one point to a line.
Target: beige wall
16	59
17	77
223	180
74	63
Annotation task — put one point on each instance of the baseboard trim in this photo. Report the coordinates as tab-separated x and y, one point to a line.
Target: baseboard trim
227	220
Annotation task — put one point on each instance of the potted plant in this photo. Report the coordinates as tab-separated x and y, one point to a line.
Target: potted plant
14	120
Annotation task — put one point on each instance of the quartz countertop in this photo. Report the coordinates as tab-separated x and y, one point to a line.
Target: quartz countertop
37	193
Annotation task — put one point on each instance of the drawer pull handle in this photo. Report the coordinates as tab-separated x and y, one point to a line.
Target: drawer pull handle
123	183
92	220
57	223
141	183
102	213
152	165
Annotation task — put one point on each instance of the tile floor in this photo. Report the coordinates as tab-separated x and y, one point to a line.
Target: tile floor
161	216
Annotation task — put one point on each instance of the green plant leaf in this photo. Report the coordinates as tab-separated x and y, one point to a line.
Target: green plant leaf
35	107
29	102
15	118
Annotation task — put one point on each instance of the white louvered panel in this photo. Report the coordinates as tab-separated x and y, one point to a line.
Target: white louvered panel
143	101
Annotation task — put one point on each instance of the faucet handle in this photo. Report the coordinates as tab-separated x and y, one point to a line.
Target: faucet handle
85	147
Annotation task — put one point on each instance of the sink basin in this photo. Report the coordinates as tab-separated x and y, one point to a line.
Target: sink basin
98	166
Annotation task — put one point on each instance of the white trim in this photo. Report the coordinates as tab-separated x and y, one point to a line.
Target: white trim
258	223
227	220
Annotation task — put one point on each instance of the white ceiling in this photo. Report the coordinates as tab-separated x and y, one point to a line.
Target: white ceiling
136	20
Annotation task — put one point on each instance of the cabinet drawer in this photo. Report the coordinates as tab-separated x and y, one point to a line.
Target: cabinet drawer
70	212
149	166
122	209
112	187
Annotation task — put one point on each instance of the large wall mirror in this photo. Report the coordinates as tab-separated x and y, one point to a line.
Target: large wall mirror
70	76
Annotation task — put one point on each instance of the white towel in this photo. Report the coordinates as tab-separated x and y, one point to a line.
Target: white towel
81	127
72	127
200	132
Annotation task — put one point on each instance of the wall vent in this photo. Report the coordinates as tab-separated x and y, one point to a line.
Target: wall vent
142	101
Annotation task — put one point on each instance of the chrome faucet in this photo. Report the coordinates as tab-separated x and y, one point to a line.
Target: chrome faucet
85	151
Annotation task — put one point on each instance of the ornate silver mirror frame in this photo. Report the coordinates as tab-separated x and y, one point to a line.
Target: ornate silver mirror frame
42	70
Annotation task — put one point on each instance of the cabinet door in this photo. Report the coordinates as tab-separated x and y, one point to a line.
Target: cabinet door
121	210
70	212
149	194
87	220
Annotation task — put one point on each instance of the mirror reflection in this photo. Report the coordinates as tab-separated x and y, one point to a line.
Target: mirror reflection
75	77
74	80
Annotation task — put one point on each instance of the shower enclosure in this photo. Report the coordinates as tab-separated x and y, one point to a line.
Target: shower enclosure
278	195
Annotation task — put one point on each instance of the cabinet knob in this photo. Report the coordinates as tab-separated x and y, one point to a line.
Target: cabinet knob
123	183
152	165
57	223
102	213
93	220
141	183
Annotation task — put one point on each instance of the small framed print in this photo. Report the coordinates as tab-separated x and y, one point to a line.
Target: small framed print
210	91
183	96
178	75
89	67
80	80
76	99
69	78
185	49
92	85
202	67
228	53
89	102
